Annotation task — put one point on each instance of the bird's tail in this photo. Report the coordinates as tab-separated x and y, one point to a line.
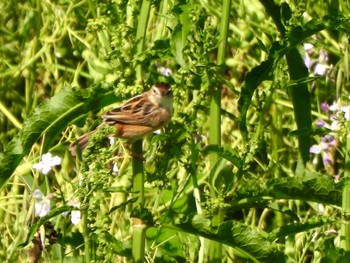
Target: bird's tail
80	144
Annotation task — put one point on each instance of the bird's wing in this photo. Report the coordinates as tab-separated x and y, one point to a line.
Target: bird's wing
136	111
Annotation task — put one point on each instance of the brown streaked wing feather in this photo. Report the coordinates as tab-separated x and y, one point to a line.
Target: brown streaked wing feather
136	131
128	113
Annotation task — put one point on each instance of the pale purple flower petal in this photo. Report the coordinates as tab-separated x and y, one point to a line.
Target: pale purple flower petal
321	123
327	159
324	107
42	205
165	71
42	208
320	69
334	106
37	194
307	61
315	149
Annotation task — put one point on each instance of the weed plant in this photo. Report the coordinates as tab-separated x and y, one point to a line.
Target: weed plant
253	167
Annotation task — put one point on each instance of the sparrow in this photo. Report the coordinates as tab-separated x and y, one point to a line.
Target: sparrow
137	117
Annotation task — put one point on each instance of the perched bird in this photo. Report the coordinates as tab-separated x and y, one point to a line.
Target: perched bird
137	117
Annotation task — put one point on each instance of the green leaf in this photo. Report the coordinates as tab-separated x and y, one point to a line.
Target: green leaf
178	43
310	187
331	252
50	118
227	154
258	74
295	228
245	241
236	234
54	212
118	247
123	204
178	40
300	96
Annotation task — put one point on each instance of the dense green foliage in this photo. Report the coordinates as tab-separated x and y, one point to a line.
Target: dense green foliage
254	166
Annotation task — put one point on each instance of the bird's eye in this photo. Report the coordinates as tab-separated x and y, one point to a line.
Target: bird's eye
155	91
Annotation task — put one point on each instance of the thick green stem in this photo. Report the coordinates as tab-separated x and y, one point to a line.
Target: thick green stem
138	176
215	248
87	236
345	227
139	229
300	96
299	93
141	33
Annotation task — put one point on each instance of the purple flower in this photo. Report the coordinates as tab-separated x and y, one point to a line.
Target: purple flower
165	71
324	107
321	124
315	149
328	142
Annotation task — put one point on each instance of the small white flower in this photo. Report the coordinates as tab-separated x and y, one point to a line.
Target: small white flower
156	132
75	217
308	46
335	125
320	69
47	162
112	140
38	194
346	110
334	106
75	214
115	169
42	205
165	71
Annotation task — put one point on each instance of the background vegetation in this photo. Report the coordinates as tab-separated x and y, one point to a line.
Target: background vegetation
254	166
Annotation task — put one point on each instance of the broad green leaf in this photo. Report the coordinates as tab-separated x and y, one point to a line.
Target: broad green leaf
240	235
300	97
252	81
245	241
295	228
297	70
310	187
54	212
178	40
227	154
178	43
50	118
332	253
118	247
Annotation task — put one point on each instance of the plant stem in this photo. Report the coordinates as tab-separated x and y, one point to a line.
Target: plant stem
139	229
141	33
86	234
215	248
345	227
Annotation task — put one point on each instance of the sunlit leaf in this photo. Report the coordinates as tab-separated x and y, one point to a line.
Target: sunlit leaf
50	118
